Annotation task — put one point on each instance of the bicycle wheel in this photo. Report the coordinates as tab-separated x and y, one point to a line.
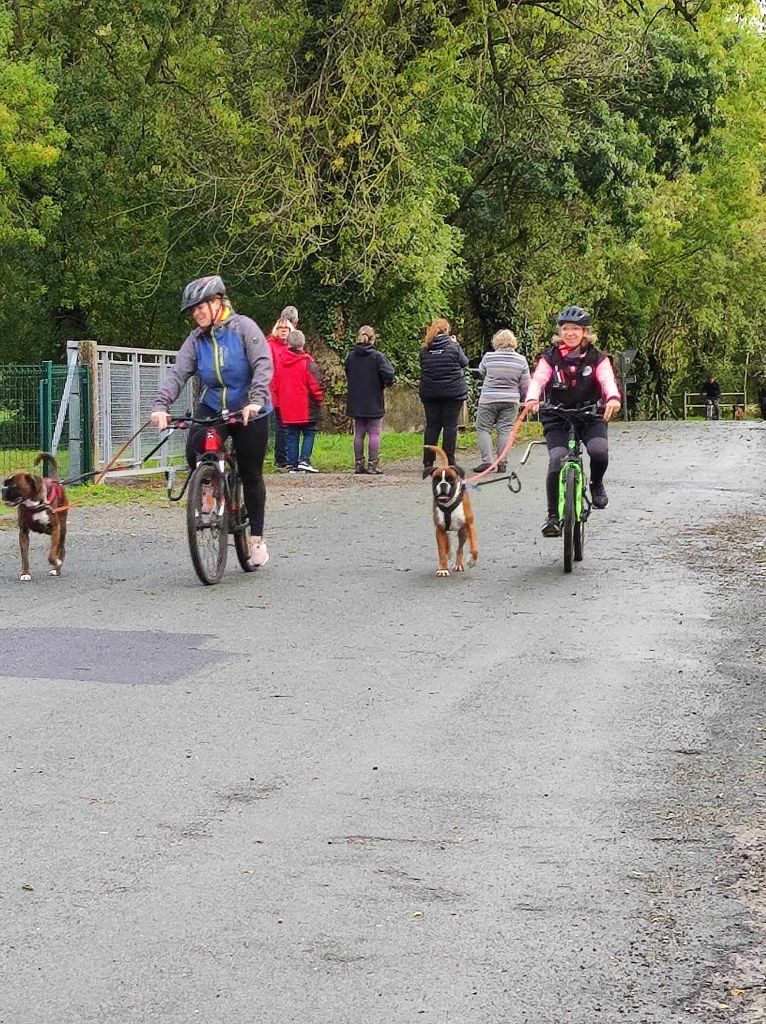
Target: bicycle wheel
570	482
240	527
207	516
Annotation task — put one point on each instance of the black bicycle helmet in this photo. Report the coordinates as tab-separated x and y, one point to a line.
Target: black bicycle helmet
574	315
202	290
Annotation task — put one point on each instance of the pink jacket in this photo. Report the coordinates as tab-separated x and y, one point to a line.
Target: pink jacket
544	372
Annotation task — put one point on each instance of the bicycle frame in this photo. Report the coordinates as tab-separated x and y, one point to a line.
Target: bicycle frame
221	456
573	461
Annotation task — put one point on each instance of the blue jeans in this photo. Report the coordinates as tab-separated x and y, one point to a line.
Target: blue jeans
278	430
293	440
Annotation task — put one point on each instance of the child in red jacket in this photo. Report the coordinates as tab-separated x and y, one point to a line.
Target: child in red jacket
298	393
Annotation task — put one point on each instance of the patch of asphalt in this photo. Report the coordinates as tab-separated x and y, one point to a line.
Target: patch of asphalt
729	551
512	796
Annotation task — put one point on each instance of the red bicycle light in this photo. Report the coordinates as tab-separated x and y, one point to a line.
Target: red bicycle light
212	442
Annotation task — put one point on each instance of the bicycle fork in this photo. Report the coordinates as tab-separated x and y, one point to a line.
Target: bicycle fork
579	510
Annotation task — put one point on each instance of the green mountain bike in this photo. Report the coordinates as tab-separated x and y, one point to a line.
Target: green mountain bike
574	506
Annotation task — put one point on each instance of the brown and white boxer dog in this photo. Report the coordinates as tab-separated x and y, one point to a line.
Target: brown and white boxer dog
41	506
453	513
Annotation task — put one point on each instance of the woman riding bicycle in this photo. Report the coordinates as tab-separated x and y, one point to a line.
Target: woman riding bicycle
229	354
574	373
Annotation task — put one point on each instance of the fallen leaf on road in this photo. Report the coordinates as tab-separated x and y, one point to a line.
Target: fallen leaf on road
417	913
27	887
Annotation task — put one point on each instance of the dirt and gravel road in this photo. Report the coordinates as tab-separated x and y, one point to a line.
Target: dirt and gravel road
343	791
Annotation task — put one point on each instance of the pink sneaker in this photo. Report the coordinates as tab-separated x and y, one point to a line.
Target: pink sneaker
259	553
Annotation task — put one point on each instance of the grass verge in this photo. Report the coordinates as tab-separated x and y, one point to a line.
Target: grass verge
332	453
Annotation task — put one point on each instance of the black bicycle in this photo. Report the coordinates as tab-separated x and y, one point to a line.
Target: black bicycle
574	504
215	506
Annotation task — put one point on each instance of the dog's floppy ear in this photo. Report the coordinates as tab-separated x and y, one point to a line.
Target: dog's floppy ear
460	471
34	483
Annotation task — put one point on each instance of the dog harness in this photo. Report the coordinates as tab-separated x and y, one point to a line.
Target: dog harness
447	510
53	495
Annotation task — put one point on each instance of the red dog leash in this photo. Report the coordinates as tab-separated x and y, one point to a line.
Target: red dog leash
102	473
506	448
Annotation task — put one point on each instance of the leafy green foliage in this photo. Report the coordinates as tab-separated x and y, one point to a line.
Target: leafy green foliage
388	161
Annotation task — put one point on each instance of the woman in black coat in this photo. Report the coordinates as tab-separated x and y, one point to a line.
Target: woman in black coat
443	389
368	372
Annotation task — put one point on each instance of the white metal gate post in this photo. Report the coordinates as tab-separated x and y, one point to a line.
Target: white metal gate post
73	402
88	354
136	407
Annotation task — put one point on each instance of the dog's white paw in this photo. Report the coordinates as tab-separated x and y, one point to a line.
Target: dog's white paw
55	572
24	577
442	572
458	568
472	561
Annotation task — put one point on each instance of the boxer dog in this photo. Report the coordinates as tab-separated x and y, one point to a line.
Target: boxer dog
452	513
41	506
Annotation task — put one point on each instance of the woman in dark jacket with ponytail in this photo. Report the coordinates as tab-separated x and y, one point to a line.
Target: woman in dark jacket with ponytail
368	372
443	389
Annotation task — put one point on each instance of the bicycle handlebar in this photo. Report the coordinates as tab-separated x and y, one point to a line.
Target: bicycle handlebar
579	412
223	417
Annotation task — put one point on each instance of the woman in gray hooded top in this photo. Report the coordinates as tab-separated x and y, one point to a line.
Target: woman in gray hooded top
231	357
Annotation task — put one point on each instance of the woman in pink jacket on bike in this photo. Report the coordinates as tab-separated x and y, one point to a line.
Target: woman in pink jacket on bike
573	373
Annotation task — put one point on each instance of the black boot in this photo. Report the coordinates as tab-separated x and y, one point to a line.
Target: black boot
373	468
598	496
359	467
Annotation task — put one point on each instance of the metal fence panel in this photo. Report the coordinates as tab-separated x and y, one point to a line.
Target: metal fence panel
19	416
30	397
128	381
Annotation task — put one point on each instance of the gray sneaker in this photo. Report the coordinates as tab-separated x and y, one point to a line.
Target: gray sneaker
306	467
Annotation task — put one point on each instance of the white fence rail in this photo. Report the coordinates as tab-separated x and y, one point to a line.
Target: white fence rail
695	404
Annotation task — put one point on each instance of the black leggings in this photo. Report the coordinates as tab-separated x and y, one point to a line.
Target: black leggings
250	445
441	418
593	436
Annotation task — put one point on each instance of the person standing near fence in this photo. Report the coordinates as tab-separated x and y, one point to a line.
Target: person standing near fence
443	389
229	354
506	377
711	389
368	372
299	394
